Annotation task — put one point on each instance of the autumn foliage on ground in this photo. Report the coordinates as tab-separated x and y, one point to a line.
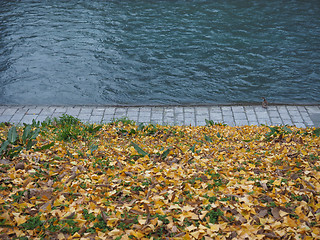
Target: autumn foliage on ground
63	179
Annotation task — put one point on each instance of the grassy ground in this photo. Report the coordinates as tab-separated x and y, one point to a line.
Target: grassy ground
63	179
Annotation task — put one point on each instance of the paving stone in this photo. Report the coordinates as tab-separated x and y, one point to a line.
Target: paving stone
292	108
259	109
84	116
10	111
313	109
56	115
41	118
300	125
5	118
48	111
157	115
241	122
216	117
60	110
272	108
276	121
274	114
108	118
226	111
86	110
120	113
109	111
237	109
2	109
98	112
95	119
17	117
34	111
240	116
145	115
189	117
179	116
252	117
228	120
73	111
215	109
253	123
249	109
302	109
133	114
201	115
28	119
315	117
168	116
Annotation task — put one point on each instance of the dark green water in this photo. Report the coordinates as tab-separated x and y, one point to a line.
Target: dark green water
159	52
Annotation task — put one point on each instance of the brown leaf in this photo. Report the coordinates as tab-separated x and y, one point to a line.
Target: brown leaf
263	213
104	217
275	213
264	186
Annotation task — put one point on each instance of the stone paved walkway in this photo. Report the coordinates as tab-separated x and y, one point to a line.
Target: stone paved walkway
300	116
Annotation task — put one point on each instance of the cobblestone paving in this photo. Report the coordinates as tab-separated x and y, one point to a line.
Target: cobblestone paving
300	116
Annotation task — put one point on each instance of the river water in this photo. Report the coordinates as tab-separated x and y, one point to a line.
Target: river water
159	52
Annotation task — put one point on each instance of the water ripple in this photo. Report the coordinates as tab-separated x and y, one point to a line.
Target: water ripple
159	52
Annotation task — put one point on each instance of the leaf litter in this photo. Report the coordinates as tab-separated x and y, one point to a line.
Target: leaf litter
123	181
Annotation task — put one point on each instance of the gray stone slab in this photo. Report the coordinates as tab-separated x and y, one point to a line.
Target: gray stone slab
274	114
60	110
240	122
201	115
237	109
86	110
313	109
168	116
95	119
315	117
73	111
17	117
276	121
84	116
28	119
228	120
41	118
299	125
120	113
98	112
157	115
35	111
240	116
216	117
107	118
48	111
5	118
109	111
9	111
215	109
2	109
179	116
57	115
133	114
226	111
144	115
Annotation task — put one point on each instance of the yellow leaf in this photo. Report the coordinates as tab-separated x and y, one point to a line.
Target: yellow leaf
20	219
191	228
115	232
215	227
195	234
187	208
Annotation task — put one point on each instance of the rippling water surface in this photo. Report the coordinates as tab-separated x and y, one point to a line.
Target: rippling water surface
159	52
